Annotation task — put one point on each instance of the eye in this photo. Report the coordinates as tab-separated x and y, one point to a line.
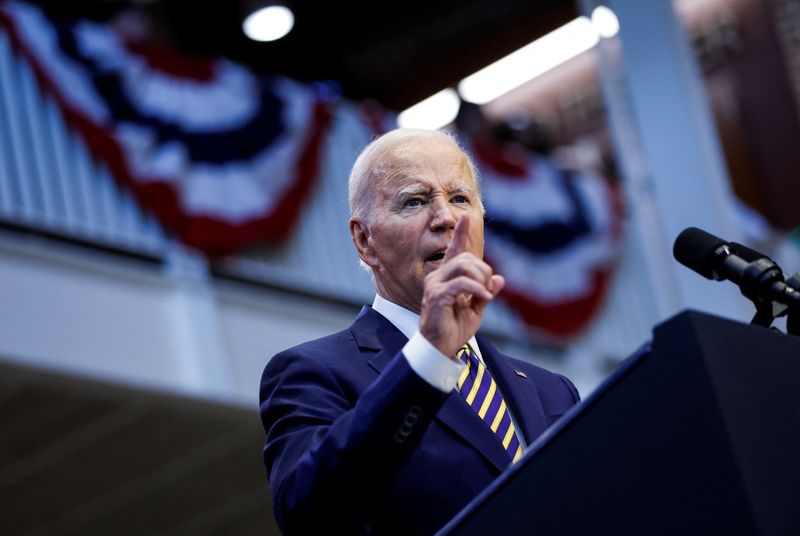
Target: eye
413	202
460	199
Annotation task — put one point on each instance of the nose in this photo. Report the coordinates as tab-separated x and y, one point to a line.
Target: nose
442	217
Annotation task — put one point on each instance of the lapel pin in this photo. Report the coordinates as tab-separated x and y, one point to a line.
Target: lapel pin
520	373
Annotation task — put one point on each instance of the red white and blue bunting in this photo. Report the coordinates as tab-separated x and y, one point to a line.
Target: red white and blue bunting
226	159
221	157
553	233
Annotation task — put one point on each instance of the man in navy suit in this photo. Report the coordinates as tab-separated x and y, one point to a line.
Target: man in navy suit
366	431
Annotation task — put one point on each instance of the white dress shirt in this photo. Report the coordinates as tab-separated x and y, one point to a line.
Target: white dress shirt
428	362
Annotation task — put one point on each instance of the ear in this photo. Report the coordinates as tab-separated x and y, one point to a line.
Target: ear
359	232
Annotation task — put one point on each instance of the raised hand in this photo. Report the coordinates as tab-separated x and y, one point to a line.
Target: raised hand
456	294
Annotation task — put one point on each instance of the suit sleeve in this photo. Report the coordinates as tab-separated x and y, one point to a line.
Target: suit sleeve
331	454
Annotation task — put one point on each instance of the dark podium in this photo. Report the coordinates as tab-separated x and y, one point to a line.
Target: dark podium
700	435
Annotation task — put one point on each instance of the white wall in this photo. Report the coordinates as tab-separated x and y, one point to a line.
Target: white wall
257	324
87	313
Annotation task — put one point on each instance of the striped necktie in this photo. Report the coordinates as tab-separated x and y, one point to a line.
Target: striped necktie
480	391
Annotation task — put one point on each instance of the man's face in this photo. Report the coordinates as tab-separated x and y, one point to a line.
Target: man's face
428	185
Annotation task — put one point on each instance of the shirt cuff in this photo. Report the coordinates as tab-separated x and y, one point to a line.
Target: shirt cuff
432	365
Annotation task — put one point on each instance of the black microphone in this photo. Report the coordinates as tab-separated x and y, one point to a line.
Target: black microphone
759	278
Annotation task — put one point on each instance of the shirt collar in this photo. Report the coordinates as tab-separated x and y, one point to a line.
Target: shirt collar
407	321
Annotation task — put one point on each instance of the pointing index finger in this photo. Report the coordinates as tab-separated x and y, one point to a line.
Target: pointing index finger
458	244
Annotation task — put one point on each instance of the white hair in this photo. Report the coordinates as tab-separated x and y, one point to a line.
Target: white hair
372	165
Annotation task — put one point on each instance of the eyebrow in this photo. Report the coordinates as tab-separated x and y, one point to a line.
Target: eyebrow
456	187
461	188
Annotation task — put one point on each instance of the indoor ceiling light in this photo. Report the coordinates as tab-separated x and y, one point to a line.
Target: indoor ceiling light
605	22
432	113
268	23
529	61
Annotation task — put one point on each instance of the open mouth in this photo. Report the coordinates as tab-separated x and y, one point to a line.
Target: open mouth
436	257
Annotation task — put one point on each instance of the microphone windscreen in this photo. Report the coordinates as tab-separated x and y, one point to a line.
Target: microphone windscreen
694	248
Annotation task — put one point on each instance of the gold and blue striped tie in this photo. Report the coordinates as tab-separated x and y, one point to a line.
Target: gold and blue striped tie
480	392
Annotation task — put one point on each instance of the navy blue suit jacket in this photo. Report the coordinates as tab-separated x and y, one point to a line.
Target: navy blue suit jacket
358	443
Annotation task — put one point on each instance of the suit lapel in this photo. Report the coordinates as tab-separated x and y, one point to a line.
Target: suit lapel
456	415
520	393
372	331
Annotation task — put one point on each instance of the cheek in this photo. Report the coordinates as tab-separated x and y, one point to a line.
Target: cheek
396	249
402	239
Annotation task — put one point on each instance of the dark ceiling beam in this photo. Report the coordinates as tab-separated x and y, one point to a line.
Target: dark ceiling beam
400	70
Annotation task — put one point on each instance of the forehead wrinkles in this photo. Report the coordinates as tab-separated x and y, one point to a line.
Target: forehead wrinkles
413	165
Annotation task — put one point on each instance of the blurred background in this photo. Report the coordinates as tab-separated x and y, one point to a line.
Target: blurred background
173	209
